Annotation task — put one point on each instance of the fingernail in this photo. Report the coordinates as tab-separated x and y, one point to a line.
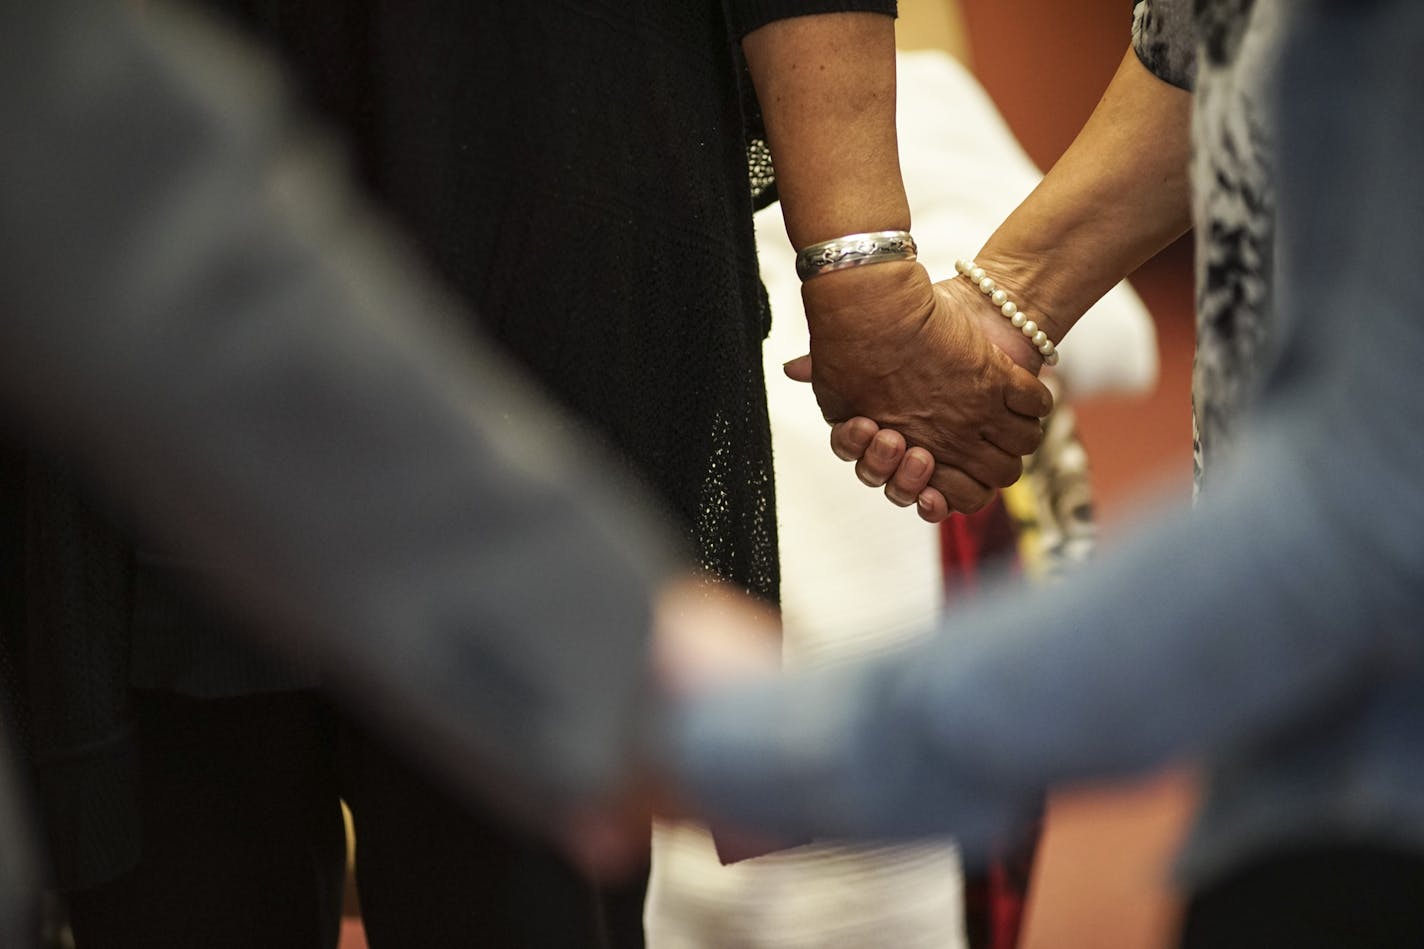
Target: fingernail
923	502
915	466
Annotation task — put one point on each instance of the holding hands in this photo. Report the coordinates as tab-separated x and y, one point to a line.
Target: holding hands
929	390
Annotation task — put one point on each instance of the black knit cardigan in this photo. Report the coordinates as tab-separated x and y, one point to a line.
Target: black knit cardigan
585	173
581	171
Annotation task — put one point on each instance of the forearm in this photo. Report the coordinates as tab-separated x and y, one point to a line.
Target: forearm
1117	196
826	85
250	368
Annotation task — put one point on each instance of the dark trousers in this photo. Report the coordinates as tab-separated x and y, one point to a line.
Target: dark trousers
434	872
244	846
1322	898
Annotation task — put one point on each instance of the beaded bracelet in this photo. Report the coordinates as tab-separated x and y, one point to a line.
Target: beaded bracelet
1010	309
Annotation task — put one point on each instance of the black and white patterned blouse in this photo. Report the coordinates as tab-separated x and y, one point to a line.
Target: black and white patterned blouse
1226	51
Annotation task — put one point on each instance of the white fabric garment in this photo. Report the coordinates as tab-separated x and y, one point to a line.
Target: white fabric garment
859	574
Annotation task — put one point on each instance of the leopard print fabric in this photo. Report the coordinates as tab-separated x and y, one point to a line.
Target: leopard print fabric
1226	51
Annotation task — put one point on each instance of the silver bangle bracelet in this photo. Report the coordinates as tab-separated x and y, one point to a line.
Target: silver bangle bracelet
854	250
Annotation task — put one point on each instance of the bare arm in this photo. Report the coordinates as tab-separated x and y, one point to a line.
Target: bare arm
884	340
1116	197
826	84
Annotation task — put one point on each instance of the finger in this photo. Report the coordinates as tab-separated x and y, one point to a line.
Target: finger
878	464
1026	395
1018	435
798	369
851	438
932	507
961	492
991	466
910	478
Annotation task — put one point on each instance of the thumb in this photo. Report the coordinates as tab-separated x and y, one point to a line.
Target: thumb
798	369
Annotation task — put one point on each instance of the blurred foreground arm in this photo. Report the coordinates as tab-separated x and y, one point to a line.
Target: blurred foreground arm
198	311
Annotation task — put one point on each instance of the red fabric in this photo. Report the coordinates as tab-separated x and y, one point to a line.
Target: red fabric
1008	908
972	546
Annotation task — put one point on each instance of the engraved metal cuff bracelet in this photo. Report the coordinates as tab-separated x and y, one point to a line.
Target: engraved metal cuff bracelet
854	250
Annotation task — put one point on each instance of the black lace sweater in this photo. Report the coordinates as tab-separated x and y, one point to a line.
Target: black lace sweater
580	170
585	173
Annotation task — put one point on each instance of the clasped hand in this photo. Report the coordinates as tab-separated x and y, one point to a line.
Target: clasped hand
928	389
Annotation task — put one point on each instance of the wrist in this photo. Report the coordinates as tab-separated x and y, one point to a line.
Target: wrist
863	301
1033	285
851	207
1024	321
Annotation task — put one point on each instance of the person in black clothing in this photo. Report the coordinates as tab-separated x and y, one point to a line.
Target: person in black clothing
254	374
585	176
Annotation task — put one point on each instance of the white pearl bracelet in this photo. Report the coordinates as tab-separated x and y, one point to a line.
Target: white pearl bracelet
1010	309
